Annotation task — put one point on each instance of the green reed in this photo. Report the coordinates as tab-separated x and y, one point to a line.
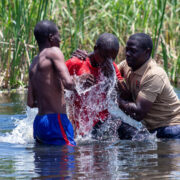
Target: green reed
80	23
18	17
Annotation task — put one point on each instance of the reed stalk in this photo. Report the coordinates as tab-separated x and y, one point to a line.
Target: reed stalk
80	23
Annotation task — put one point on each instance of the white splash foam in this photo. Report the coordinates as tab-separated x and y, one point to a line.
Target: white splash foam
90	103
23	132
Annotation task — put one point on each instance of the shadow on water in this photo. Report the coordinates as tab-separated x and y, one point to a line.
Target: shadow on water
149	159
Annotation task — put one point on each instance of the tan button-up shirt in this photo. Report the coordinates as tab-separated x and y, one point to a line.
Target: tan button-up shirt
151	82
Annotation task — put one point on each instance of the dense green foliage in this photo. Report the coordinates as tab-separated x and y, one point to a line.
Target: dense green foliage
80	22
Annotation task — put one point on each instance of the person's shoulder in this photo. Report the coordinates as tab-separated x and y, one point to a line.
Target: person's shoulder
118	74
115	66
53	51
123	68
156	74
156	69
122	64
74	61
74	64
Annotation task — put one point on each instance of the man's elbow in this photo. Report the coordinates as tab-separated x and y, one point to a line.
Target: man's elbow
30	104
69	85
139	116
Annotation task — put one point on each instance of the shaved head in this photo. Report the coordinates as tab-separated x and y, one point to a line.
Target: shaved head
43	29
108	43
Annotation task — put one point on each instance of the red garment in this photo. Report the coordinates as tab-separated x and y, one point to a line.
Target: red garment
83	103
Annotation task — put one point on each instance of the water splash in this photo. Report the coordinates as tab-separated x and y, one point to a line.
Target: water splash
91	103
23	132
85	106
93	100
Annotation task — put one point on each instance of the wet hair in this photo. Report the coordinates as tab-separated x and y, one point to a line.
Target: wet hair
144	41
43	29
107	42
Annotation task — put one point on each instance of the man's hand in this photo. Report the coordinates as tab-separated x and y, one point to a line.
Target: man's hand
87	80
81	54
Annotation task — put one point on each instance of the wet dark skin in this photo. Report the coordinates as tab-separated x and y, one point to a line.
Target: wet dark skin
136	56
48	76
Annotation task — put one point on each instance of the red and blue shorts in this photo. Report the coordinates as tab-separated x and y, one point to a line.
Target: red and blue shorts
55	129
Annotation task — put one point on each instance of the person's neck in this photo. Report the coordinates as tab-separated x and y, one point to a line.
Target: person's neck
147	59
92	60
42	47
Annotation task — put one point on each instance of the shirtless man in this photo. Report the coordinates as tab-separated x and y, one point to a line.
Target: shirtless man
48	76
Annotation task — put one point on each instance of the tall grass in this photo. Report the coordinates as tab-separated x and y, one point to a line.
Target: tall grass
17	42
80	23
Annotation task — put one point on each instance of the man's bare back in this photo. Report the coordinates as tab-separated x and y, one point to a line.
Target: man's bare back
46	83
48	76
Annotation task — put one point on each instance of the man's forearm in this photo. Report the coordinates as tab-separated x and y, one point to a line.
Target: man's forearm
69	84
130	108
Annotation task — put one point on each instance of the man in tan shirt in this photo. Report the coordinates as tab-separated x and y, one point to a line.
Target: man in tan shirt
153	100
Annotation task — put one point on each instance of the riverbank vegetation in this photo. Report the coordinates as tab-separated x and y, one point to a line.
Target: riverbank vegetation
80	22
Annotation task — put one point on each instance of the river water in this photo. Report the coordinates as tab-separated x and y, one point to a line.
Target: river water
21	158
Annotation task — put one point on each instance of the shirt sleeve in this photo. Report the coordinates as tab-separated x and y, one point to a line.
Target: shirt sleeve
121	66
152	87
118	74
